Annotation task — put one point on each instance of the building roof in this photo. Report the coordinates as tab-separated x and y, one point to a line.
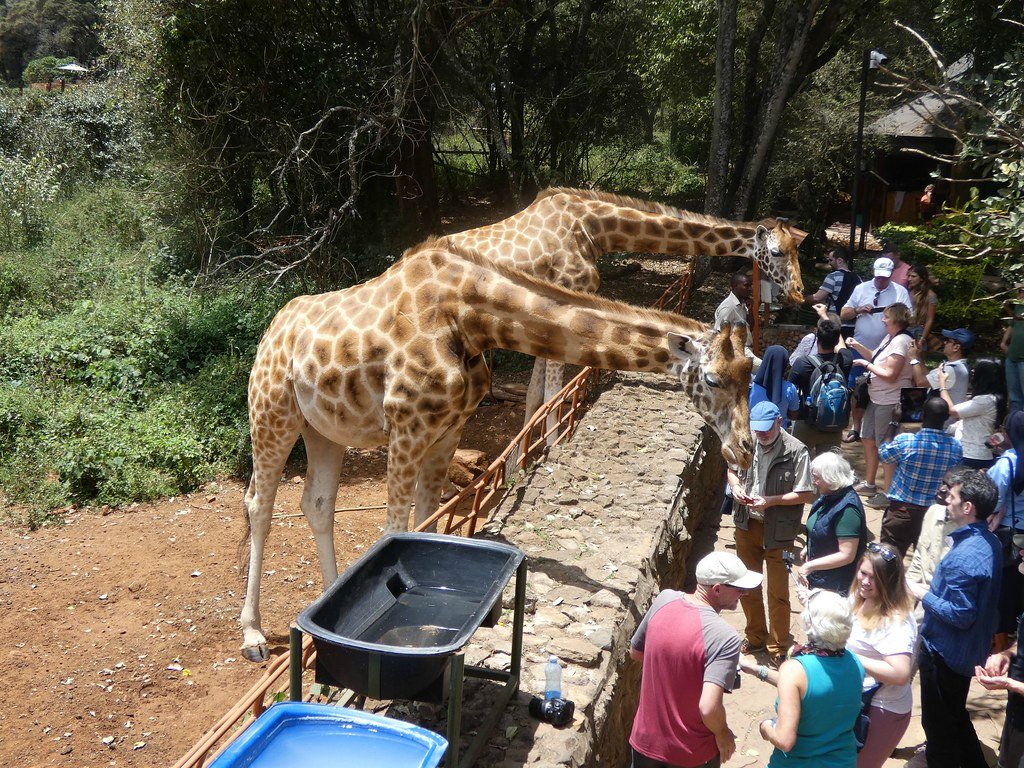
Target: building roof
924	116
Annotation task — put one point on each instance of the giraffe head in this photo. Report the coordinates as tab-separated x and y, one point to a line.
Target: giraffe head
715	373
775	245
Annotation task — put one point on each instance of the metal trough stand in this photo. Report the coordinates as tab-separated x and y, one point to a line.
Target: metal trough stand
349	652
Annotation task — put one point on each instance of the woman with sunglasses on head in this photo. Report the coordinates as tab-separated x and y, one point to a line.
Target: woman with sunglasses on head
884	637
836	527
981	414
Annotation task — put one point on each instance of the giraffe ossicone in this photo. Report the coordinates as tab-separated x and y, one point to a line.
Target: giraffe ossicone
398	361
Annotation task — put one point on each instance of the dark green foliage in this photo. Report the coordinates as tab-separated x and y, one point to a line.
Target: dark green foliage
33	29
964	299
43	70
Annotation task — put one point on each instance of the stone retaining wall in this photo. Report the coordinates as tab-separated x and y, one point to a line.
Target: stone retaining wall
606	522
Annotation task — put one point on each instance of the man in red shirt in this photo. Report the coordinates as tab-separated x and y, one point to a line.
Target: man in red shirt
690	657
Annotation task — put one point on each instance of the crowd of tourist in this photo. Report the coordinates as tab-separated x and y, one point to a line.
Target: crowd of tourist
946	443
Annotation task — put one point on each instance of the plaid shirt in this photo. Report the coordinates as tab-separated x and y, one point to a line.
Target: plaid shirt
921	460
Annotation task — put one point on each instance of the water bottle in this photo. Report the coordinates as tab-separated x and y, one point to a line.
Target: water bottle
552	679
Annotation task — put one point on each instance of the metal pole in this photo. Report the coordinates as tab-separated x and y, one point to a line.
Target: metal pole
295	663
858	150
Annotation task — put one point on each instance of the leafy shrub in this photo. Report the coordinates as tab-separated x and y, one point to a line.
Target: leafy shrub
649	171
963	302
26	187
89	131
43	70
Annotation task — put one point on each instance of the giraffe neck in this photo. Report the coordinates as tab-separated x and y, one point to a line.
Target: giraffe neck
510	309
684	234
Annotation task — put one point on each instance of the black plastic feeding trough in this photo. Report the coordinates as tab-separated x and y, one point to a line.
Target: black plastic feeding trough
392	626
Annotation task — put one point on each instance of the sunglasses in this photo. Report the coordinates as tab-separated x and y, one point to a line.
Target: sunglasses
875	302
887	553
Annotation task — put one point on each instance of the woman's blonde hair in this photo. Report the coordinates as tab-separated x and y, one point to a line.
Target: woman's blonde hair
899	313
893	600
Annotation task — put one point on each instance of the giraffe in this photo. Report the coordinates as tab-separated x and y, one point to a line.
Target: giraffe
398	361
560	236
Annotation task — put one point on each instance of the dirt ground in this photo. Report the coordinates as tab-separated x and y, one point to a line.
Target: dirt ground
122	636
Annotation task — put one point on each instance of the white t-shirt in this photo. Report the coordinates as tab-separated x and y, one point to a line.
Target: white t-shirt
890	638
869	330
977	422
888	392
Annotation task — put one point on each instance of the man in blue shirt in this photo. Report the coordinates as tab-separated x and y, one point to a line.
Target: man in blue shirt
921	460
960	614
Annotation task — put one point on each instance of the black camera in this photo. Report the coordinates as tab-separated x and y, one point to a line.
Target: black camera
789	560
556	711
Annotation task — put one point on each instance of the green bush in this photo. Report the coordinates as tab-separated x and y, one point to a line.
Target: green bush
43	70
648	171
26	187
963	302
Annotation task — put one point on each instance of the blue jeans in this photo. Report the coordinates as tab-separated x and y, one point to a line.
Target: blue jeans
1015	384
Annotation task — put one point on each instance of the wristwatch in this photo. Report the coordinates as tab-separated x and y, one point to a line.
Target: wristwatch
915	362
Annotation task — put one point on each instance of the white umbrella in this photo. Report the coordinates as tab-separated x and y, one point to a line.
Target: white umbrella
72	68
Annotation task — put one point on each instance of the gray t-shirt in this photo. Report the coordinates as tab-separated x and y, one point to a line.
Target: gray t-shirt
721	643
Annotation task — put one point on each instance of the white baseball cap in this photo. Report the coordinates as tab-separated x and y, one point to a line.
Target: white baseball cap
884	267
726	568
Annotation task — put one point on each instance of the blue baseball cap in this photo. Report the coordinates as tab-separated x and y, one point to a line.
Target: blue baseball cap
961	336
764	415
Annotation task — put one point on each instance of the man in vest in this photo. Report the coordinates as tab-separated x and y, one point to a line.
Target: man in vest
768	505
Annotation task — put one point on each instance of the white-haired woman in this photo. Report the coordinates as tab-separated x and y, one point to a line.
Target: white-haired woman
819	692
836	527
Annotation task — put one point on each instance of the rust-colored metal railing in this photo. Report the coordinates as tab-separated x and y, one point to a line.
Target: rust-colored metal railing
460	515
491	485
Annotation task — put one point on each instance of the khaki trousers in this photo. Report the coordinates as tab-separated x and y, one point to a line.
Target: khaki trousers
750	549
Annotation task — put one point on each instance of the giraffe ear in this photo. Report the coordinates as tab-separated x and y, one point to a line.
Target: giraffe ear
761	236
681	347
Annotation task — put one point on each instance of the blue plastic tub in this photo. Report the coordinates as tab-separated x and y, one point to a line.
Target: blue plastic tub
300	735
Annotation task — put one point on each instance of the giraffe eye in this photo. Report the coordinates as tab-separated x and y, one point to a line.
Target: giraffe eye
775	251
711	380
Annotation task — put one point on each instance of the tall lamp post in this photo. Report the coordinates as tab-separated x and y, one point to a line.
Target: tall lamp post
872	60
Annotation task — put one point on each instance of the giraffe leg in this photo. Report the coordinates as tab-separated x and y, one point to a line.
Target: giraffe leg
268	464
535	393
319	496
403	465
433	471
553	375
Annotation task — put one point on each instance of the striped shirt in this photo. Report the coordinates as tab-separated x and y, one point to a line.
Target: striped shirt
921	460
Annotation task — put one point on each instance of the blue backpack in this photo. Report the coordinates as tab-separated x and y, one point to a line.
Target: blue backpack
828	401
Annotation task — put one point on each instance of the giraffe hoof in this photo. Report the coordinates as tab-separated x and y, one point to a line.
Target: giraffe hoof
256	653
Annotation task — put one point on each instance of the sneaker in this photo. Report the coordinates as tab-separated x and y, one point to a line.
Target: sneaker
869	489
853	436
878	501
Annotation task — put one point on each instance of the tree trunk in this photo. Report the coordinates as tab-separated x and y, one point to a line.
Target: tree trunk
787	64
721	125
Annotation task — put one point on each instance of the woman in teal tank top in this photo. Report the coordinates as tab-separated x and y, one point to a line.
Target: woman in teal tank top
819	692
